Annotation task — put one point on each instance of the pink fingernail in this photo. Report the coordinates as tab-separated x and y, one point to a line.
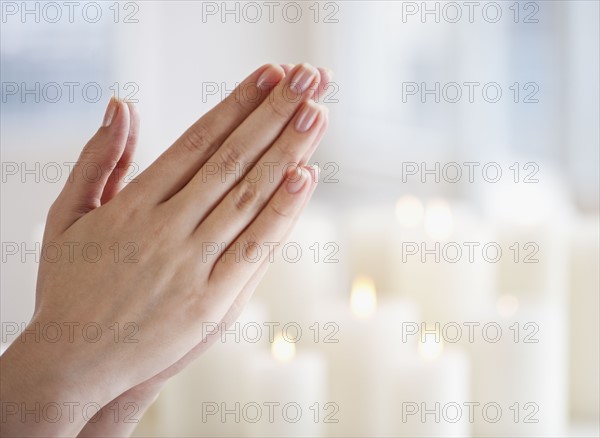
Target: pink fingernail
314	170
307	117
326	74
297	180
303	78
111	110
269	77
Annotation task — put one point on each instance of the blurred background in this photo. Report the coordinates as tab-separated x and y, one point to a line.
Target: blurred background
444	280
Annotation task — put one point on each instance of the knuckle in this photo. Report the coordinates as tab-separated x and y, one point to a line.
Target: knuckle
278	209
278	108
287	150
197	138
246	196
54	210
230	156
251	246
241	101
133	137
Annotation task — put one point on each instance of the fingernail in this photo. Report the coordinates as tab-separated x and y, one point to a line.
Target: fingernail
269	77
314	170
306	118
303	78
111	110
326	74
297	180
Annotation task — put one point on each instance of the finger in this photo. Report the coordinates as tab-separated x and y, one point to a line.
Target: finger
245	201
178	164
83	190
308	154
326	76
320	95
116	180
246	293
244	256
287	68
244	147
236	308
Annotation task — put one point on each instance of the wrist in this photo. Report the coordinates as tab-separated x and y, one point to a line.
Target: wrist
44	392
122	415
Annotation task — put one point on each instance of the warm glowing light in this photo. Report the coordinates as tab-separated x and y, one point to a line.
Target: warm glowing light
523	206
432	347
439	222
409	211
507	305
283	350
363	299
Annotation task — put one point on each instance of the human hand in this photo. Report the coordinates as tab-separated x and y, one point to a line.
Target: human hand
176	207
143	395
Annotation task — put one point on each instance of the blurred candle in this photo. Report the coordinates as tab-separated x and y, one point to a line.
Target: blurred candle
522	370
218	379
423	394
308	269
289	390
584	338
370	335
441	266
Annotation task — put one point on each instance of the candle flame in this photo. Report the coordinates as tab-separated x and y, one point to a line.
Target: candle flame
283	350
363	299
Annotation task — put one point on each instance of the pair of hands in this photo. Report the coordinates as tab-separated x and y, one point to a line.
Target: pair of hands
202	218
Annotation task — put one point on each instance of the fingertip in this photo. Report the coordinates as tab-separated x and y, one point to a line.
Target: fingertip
287	68
270	74
111	111
120	125
326	75
295	185
134	124
133	111
314	171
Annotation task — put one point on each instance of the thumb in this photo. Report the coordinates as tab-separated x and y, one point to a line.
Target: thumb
121	172
84	188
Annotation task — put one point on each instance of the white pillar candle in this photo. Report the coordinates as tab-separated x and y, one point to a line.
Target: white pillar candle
442	265
370	334
424	395
523	372
196	401
584	338
533	223
288	393
308	269
368	246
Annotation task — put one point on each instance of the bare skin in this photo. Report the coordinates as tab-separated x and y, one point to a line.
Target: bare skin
201	218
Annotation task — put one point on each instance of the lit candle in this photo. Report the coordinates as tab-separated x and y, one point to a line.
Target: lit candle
290	389
370	335
423	394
